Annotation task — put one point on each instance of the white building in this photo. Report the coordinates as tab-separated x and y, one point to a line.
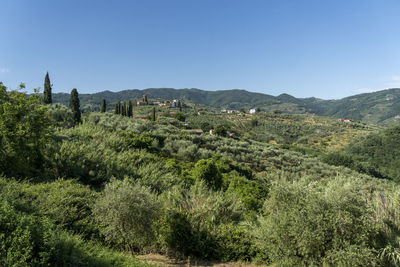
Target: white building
252	111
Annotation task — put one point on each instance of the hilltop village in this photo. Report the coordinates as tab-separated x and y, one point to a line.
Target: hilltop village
174	103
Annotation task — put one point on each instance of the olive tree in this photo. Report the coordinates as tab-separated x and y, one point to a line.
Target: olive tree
127	212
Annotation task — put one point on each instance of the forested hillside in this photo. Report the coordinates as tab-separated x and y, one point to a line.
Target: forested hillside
382	107
376	154
261	188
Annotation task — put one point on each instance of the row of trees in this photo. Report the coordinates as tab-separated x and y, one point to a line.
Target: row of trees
126	109
123	109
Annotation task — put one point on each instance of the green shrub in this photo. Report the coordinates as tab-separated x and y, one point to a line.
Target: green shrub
176	235
220	130
126	212
339	159
142	141
179	116
60	115
72	250
235	243
68	204
24	240
27	240
251	192
207	171
303	224
191	226
23	130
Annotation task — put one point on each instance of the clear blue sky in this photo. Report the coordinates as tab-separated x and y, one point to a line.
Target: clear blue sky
327	49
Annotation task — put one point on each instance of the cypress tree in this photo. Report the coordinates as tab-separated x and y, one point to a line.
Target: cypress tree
119	108
153	117
123	111
75	106
103	106
47	90
116	108
130	109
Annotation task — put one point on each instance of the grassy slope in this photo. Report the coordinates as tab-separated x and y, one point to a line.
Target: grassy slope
313	132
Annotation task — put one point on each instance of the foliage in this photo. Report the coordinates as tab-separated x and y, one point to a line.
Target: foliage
305	225
263	195
59	115
123	109
73	250
177	235
220	130
103	107
23	131
179	116
191	227
251	192
28	240
64	203
207	171
129	112
127	212
75	106
47	99
375	154
153	114
23	239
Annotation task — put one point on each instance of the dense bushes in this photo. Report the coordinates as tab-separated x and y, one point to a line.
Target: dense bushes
380	151
60	115
376	154
23	132
27	240
126	213
207	171
201	214
140	186
302	224
65	203
23	239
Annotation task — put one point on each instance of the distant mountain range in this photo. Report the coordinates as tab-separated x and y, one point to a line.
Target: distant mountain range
382	107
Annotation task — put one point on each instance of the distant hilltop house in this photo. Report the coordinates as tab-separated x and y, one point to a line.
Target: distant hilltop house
252	111
345	120
175	103
142	102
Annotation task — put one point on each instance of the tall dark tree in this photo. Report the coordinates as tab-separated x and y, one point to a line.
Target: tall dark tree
123	111
103	106
130	109
116	109
75	106
180	106
153	117
119	107
47	90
